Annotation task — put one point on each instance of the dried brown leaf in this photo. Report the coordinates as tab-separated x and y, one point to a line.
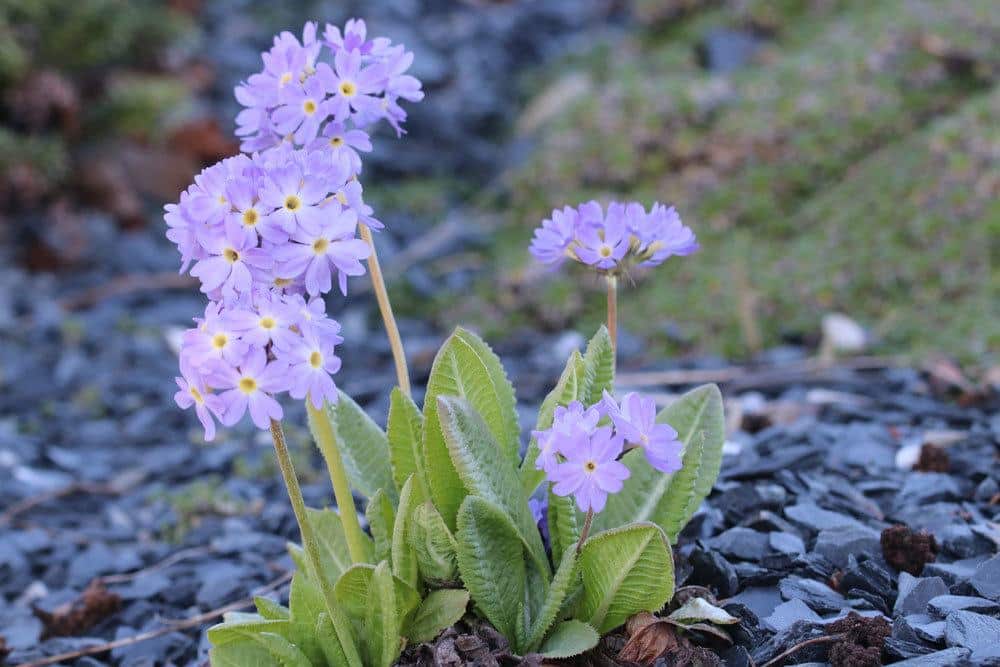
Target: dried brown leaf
91	607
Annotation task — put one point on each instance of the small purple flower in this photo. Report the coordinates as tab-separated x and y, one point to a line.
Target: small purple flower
554	237
251	386
331	248
355	87
213	340
343	142
567	423
355	33
269	322
303	109
668	236
227	266
311	316
252	217
192	391
635	420
294	197
590	470
603	246
311	361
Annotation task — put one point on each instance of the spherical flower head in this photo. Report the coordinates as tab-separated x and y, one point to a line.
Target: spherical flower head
590	469
635	420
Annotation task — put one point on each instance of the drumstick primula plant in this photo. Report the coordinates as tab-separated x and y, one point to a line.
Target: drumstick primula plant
454	508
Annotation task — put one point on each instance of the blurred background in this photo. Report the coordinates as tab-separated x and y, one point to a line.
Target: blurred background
832	155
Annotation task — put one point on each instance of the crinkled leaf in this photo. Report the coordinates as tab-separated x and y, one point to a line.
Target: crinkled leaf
305	604
381	519
381	622
326	635
270	609
487	473
569	638
467	368
624	571
333	552
564	524
233	630
440	609
491	561
404	560
599	367
354	591
566	391
565	579
433	545
364	448
257	649
697	610
670	500
405	431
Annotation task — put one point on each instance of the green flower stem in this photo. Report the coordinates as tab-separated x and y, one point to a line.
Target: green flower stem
341	624
378	284
327	441
613	310
585	533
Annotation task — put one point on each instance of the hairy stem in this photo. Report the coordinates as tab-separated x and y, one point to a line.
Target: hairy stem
613	310
326	439
341	624
378	284
586	530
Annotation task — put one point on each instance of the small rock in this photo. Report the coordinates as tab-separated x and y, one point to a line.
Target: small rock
817	518
943	605
741	543
971	630
915	593
761	600
711	569
947	658
786	543
839	544
986	579
926	628
816	594
788	613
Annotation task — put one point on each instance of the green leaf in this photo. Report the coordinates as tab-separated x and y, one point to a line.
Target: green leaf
355	588
564	524
665	499
440	609
599	367
625	570
433	545
405	431
381	519
235	630
404	560
485	472
253	649
270	609
305	604
364	448
382	624
326	634
566	391
333	552
466	367
491	561
565	579
570	638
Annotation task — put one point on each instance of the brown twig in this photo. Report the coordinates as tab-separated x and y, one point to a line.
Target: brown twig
172	626
822	639
127	284
165	563
70	489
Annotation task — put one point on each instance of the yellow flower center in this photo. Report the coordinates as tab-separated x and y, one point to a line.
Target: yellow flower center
285	79
219	341
195	394
292	202
250	217
282	282
605	251
590	466
320	246
309	107
348	89
222	199
336	142
315	359
231	255
341	197
248	385
267	322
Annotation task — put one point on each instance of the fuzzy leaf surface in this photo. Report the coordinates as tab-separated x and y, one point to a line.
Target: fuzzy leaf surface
355	589
565	579
405	431
569	638
404	560
381	520
433	545
599	368
440	609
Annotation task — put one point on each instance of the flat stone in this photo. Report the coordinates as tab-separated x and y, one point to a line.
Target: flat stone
741	544
788	613
786	543
946	658
921	488
761	600
817	595
816	518
943	605
904	650
954	572
971	630
986	579
712	569
840	543
926	628
871	576
915	593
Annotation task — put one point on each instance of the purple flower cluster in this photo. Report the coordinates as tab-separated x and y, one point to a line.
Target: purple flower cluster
297	93
267	234
607	242
581	457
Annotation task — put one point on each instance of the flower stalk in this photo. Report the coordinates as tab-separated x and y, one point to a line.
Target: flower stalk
340	622
385	307
585	532
612	281
327	442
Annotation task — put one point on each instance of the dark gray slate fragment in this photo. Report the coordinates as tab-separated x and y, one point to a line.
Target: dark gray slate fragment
986	579
741	544
926	628
902	649
840	543
915	593
786	543
788	613
711	569
817	595
973	631
761	600
816	518
952	657
943	605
